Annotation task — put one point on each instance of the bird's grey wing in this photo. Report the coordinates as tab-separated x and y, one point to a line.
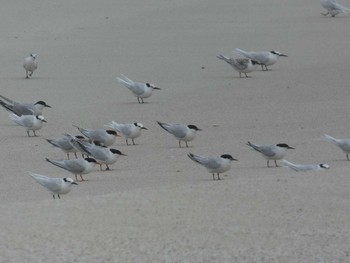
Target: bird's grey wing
24	109
344	145
261	57
178	130
27	121
53	184
212	163
62	143
266	150
138	88
126	129
241	63
99	152
7	99
75	166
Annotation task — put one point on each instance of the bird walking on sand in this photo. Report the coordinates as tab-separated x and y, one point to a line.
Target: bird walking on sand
30	65
241	65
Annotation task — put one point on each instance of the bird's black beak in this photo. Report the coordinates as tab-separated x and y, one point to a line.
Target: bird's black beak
75	183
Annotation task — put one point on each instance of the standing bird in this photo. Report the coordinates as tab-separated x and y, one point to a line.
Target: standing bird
64	144
343	144
128	130
29	122
305	167
105	137
241	65
181	132
55	186
264	58
333	8
214	165
30	65
140	90
75	166
23	108
271	152
102	154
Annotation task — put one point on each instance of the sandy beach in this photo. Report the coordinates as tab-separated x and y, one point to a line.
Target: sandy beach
156	205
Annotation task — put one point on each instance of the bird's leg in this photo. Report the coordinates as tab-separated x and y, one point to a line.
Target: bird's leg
138	99
219	176
276	163
68	155
180	143
107	167
101	166
27	75
246	75
81	176
186	144
53	196
76	178
214	177
268	162
76	156
34	133
58	196
347	156
28	133
142	100
133	142
127	143
240	74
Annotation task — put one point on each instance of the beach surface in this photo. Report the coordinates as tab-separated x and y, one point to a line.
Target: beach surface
156	205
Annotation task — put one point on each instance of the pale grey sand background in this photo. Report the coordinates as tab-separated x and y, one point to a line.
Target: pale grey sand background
157	205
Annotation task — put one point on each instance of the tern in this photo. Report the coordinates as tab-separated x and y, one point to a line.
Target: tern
30	65
29	122
105	137
264	58
64	144
75	166
23	108
128	130
343	144
56	186
241	65
271	152
214	165
140	90
102	154
305	167
181	132
333	8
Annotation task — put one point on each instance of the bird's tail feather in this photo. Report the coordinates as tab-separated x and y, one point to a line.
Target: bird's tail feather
330	139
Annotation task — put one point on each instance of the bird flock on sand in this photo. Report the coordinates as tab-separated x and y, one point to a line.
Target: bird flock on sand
95	145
